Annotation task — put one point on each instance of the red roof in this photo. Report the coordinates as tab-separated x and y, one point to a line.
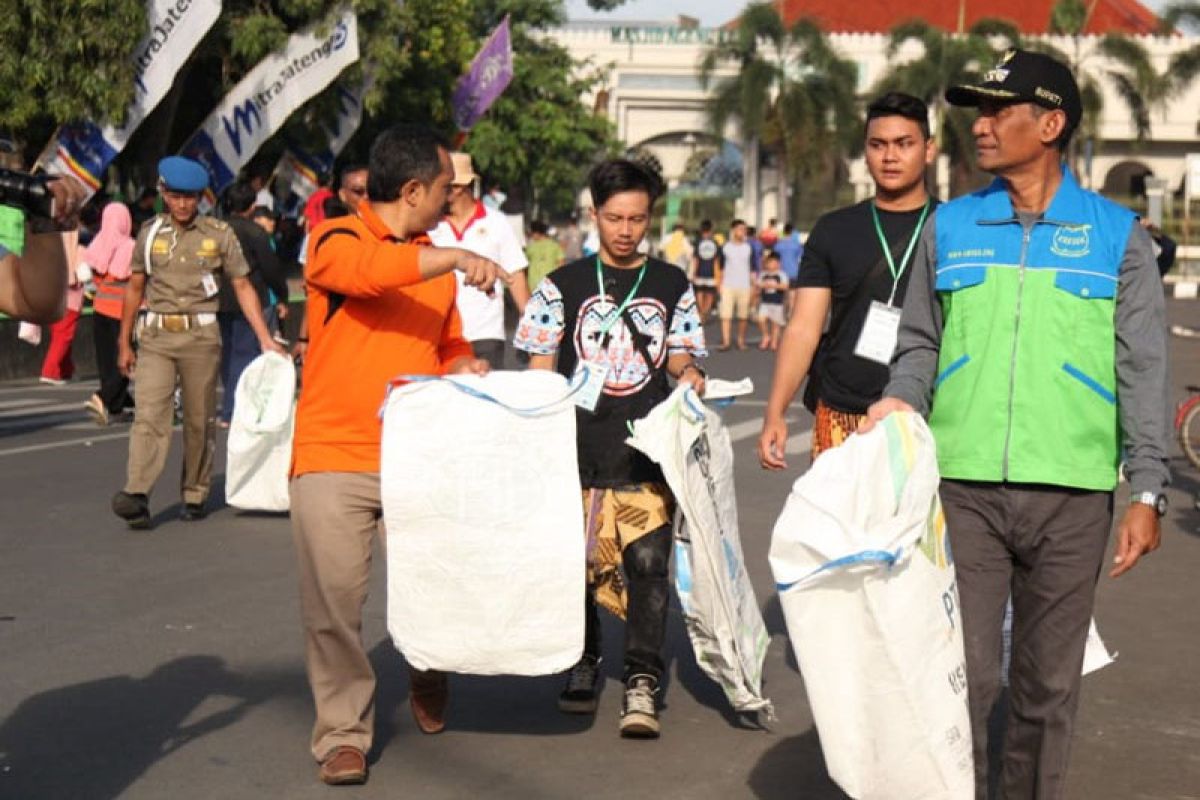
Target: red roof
1030	16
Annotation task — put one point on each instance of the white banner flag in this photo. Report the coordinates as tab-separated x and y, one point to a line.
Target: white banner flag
280	83
175	27
299	170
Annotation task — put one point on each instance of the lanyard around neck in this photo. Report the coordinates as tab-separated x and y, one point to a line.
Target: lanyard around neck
625	303
887	249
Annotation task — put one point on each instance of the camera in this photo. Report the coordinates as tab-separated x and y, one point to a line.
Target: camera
27	192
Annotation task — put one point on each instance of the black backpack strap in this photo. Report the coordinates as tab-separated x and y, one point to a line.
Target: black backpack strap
335	300
639	339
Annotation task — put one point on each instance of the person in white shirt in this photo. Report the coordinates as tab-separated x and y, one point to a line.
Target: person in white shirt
473	226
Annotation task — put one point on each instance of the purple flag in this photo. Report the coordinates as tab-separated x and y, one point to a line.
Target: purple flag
489	75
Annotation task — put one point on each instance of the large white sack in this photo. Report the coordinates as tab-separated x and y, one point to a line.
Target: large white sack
729	638
259	449
866	581
485	537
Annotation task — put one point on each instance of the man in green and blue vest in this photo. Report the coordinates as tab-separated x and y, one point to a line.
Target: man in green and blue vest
1033	338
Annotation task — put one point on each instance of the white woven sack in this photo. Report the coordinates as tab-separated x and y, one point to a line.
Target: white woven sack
866	581
259	449
484	514
691	445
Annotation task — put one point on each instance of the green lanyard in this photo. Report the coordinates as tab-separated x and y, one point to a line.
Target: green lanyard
887	249
624	305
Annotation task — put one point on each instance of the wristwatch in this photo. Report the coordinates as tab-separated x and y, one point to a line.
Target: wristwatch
1156	501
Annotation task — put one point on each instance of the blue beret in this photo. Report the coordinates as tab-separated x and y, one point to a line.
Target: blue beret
182	174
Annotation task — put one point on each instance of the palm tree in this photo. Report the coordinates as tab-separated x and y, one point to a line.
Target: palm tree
792	93
1127	68
947	59
1185	65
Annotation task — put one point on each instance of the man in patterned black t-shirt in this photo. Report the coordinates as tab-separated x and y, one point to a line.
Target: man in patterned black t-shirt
631	323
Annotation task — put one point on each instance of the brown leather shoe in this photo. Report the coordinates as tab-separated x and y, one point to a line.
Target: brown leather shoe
345	765
427	696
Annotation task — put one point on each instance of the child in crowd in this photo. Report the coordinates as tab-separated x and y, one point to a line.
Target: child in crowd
772	291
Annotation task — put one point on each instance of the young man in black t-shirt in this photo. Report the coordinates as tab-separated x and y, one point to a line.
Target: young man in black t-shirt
854	270
628	323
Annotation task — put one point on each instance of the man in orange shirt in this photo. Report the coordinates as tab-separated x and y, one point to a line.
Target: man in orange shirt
380	304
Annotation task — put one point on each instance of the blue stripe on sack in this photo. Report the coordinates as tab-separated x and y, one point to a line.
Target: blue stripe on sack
1090	382
476	393
865	557
954	367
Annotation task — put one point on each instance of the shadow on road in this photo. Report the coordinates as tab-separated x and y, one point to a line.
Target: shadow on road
481	704
794	768
92	740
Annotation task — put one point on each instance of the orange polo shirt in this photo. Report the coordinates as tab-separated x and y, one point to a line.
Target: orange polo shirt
389	323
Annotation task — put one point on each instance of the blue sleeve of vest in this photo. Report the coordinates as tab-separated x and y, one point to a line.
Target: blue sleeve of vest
1141	362
915	363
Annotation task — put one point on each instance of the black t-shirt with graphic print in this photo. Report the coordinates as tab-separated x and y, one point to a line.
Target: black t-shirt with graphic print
566	315
708	257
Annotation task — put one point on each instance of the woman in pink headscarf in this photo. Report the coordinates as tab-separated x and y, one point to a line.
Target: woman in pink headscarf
109	258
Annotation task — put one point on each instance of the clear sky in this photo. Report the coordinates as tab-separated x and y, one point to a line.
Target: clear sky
710	12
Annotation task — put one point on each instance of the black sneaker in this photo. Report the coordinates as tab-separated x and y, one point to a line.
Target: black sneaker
133	508
639	716
193	512
580	695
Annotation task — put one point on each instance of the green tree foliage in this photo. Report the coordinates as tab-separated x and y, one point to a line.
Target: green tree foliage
792	91
61	59
1121	61
1185	65
538	139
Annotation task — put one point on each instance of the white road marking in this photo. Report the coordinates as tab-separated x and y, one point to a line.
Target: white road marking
85	441
46	408
24	402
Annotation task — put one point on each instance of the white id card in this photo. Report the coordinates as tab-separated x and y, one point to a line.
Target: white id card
877	340
210	285
589	377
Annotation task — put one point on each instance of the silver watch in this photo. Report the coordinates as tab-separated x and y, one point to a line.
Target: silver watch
1156	501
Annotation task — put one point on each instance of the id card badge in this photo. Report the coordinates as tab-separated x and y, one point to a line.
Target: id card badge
210	285
589	378
877	340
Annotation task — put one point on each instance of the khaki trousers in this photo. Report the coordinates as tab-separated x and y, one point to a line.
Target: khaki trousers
193	356
1045	546
335	516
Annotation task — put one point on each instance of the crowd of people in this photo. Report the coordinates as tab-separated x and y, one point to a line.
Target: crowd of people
1025	321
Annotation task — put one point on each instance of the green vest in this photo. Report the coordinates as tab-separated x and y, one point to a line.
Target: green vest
1026	383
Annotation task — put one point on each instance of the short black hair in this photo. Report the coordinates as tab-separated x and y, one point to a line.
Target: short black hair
239	198
706	226
899	104
622	175
539	227
771	256
348	169
789	228
262	211
401	154
736	222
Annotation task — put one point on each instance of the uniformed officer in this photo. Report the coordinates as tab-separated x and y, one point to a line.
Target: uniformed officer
178	262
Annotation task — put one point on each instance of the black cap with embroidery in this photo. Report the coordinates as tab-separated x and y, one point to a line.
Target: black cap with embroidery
1023	76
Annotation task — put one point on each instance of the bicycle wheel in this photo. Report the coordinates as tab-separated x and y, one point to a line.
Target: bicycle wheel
1189	434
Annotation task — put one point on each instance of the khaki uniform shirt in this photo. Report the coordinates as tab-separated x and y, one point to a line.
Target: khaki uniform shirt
187	262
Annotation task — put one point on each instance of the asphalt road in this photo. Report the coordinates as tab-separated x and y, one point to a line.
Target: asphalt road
168	664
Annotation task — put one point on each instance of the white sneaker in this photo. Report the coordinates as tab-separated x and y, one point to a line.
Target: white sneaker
52	381
95	406
639	716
